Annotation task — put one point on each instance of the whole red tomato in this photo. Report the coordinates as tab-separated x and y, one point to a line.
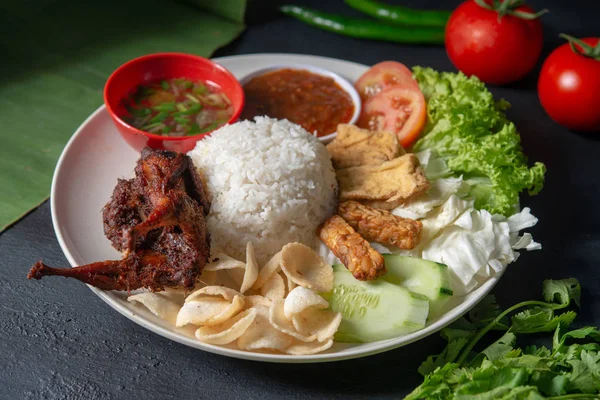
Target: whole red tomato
569	85
497	43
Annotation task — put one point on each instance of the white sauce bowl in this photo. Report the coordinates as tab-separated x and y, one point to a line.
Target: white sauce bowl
342	82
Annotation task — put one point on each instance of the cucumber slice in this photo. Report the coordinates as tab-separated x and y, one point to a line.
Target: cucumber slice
428	278
374	310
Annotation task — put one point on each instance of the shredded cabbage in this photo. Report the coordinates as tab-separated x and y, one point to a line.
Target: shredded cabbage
469	131
474	244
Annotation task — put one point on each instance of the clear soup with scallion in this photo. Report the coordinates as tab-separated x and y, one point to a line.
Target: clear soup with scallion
177	107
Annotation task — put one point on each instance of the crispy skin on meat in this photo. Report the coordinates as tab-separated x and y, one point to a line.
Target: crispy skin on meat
157	220
354	146
356	253
127	207
381	225
383	186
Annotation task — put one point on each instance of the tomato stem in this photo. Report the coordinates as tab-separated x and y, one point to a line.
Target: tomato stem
509	7
584	48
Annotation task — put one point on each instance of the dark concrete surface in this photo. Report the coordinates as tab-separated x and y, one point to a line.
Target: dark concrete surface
59	341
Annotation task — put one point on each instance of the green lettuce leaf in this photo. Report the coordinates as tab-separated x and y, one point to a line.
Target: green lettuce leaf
469	130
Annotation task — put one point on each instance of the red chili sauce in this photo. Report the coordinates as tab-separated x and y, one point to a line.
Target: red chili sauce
315	102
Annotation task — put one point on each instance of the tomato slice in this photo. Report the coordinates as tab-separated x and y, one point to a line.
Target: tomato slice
397	109
383	75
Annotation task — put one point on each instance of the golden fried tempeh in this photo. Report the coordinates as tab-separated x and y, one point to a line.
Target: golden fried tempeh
381	226
383	186
354	146
356	253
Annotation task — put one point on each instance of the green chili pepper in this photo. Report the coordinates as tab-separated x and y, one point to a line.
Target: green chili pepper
400	15
366	28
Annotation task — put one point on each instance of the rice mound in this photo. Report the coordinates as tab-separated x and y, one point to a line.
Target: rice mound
271	183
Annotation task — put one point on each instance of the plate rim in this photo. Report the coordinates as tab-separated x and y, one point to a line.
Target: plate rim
346	354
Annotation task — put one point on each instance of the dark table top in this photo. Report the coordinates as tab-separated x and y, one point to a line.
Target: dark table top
59	341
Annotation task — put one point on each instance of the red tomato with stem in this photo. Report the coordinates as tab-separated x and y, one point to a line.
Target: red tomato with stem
497	42
569	84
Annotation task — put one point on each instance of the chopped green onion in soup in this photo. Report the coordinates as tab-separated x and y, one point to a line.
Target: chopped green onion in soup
177	107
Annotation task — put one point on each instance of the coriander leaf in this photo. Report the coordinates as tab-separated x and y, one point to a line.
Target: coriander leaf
504	393
490	382
586	373
573	352
451	333
557	339
479	316
562	291
515	358
571	370
501	347
435	385
448	355
537	351
485	311
550	383
560	338
540	319
588	332
459	328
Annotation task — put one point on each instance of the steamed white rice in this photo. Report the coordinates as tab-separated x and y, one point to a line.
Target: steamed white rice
271	183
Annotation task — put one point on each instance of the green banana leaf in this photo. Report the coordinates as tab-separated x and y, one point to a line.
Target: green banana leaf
56	57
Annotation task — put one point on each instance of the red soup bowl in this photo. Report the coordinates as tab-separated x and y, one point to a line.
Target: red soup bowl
155	67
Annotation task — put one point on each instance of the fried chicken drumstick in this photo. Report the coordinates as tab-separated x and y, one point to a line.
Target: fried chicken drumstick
157	220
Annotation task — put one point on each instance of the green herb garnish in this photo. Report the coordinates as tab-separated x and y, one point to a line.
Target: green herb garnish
569	370
170	106
159	117
194	108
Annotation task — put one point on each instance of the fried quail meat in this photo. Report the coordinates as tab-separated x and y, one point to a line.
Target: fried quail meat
384	186
381	226
362	260
156	219
353	147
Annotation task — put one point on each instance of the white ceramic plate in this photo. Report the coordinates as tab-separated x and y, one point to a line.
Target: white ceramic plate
84	180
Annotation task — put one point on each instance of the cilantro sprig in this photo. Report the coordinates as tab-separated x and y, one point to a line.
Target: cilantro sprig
570	370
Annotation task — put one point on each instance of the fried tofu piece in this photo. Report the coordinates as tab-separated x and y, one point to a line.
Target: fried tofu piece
356	253
381	226
354	146
383	186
